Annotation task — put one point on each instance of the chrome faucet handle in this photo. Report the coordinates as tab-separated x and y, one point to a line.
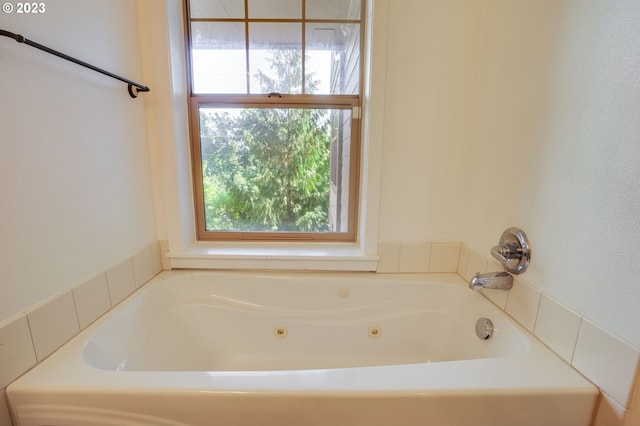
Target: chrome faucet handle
506	252
513	250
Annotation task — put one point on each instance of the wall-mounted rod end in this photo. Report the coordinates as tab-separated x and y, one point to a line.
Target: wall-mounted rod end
138	89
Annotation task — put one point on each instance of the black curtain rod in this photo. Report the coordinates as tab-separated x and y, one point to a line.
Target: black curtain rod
131	84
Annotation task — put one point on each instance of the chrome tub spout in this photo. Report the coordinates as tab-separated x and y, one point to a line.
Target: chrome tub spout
492	280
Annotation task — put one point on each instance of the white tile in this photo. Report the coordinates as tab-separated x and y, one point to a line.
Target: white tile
92	299
156	257
120	281
475	263
414	257
5	416
523	303
609	412
557	326
143	269
444	257
16	349
164	250
463	261
52	323
389	257
607	361
494	266
499	297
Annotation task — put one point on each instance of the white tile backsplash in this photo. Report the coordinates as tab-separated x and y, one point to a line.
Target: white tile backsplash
499	297
603	358
611	364
414	257
156	257
557	326
475	263
523	303
52	323
609	412
120	281
16	349
92	299
164	260
463	261
444	257
143	268
607	361
389	257
28	338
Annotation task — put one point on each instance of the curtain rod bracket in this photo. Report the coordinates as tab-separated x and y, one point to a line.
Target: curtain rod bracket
131	85
138	89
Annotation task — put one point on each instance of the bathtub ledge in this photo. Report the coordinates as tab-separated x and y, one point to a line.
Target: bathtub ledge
319	257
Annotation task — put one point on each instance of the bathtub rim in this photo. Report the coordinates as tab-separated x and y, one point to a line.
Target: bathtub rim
54	370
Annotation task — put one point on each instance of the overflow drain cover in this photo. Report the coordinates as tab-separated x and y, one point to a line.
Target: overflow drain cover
484	328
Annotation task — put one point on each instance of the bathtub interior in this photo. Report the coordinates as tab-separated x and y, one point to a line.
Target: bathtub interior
187	322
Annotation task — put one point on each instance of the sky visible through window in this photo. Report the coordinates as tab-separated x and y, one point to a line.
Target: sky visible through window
210	77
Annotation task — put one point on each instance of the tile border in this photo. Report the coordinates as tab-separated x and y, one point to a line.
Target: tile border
458	258
530	307
55	320
621	392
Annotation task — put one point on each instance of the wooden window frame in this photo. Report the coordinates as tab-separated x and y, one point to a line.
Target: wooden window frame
352	102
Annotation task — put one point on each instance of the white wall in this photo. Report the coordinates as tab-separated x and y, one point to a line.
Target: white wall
557	150
431	80
521	113
497	113
74	169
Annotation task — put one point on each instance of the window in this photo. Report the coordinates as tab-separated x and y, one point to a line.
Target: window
275	118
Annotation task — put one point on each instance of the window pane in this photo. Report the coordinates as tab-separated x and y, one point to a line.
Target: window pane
333	59
275	57
275	169
333	9
218	57
279	9
216	9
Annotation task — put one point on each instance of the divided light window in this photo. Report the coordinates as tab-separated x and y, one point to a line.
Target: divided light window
275	117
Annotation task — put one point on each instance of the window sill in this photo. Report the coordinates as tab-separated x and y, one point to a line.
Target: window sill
319	256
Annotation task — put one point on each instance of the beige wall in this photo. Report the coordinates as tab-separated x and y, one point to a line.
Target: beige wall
523	113
429	100
526	113
558	135
74	167
497	113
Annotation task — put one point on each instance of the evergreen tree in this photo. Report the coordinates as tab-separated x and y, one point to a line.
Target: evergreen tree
267	169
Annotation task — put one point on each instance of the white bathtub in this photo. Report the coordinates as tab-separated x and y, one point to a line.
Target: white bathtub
302	349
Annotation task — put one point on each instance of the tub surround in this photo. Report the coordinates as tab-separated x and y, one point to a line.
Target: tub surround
606	360
418	257
602	357
367	378
29	337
